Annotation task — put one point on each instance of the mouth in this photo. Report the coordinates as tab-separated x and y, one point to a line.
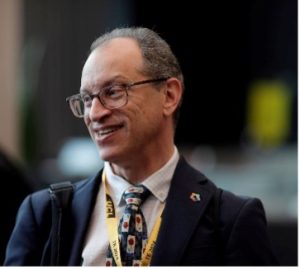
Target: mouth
107	131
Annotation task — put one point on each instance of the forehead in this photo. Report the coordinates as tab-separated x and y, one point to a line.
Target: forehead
117	57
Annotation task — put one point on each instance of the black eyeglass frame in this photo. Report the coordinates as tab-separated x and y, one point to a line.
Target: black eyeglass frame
98	95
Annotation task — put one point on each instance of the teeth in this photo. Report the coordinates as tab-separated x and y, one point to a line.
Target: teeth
107	131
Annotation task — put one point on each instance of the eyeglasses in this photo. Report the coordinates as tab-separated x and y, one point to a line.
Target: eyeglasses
114	96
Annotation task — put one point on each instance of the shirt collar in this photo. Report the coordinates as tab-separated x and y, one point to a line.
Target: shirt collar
158	183
116	184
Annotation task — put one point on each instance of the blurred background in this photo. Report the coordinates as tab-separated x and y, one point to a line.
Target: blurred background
239	117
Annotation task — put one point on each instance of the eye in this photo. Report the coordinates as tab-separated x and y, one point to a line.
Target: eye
114	92
86	99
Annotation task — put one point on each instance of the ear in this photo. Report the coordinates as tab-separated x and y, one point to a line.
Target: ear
173	93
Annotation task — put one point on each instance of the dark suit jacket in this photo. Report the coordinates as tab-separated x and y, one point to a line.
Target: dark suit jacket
186	236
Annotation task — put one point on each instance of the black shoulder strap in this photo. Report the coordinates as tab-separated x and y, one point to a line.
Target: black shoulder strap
60	194
216	220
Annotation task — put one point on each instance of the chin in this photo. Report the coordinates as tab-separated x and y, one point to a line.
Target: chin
109	155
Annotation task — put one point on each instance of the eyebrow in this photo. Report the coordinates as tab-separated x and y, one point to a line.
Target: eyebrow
105	84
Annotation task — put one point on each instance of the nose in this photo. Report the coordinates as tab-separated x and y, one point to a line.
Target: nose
97	111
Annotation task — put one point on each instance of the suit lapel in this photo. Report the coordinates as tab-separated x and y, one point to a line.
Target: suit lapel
181	214
82	207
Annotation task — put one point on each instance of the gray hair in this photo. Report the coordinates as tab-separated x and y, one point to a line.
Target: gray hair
158	59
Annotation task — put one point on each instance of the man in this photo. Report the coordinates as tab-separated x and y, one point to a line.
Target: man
131	91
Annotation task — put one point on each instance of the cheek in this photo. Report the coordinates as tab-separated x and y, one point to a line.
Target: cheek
143	115
147	119
152	110
87	121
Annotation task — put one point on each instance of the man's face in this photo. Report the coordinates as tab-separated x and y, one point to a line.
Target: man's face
134	129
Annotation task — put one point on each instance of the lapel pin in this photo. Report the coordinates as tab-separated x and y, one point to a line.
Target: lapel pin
195	197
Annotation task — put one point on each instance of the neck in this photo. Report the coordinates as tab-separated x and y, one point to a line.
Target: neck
136	171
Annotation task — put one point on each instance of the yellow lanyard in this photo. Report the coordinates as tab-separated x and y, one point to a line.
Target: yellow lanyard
112	226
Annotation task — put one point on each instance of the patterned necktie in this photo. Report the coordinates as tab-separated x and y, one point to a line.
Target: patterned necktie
132	228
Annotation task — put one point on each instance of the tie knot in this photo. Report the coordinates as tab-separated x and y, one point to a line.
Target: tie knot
136	195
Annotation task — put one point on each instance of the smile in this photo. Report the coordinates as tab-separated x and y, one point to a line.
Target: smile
108	130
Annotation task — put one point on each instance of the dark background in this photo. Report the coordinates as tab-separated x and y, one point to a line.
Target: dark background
222	47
